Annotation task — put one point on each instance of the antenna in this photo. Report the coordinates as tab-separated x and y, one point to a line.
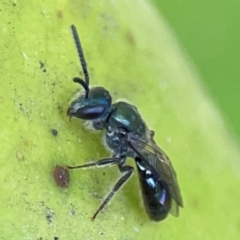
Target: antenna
85	83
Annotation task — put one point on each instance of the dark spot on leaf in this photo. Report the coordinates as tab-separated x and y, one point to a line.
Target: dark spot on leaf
54	132
72	212
130	39
42	66
194	203
49	214
59	14
61	176
60	109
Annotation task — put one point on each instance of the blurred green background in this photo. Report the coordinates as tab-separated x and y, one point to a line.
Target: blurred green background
209	31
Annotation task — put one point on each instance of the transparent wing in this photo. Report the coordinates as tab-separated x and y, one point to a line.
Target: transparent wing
159	162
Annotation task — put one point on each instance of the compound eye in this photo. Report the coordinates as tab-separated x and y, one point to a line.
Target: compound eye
90	112
96	105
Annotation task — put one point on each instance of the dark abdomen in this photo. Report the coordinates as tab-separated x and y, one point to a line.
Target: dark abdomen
156	197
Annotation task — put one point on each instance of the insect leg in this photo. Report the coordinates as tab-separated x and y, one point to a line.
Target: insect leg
128	173
152	133
100	163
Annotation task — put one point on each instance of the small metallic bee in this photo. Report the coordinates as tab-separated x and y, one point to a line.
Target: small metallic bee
127	135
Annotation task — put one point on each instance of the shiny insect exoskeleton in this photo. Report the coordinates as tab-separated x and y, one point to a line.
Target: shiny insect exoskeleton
127	135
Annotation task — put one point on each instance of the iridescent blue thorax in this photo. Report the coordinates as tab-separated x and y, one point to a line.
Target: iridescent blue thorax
125	115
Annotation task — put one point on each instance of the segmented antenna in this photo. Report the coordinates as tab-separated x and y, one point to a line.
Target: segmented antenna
82	61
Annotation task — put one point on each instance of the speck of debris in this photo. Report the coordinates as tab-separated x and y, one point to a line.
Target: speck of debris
59	14
54	132
60	109
61	176
19	156
49	214
72	212
42	66
97	195
130	39
56	238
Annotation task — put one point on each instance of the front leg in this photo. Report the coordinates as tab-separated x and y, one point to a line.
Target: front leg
127	172
100	163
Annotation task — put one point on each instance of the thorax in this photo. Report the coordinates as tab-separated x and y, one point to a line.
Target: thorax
123	116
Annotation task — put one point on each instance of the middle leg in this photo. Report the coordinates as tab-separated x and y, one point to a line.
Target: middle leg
128	171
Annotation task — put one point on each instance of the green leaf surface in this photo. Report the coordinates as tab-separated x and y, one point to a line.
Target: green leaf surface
131	51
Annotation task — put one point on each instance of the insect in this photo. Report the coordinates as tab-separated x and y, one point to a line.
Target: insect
127	135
